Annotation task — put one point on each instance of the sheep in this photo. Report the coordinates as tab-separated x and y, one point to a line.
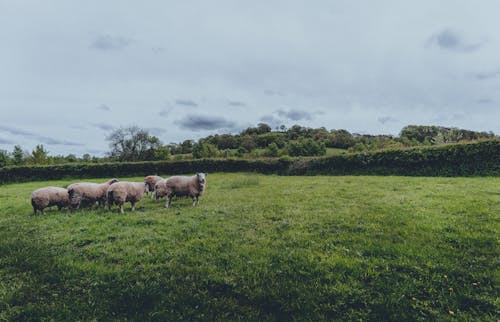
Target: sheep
124	191
151	182
182	186
160	189
87	193
48	197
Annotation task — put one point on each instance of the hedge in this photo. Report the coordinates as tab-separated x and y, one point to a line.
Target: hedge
466	159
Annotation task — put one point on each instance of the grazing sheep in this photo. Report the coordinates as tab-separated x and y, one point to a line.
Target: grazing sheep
181	186
84	194
124	191
48	197
151	182
161	189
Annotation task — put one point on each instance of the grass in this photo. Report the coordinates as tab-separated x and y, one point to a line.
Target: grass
260	248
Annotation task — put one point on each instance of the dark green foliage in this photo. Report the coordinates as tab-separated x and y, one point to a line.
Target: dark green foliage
305	147
205	150
470	159
4	158
466	159
441	134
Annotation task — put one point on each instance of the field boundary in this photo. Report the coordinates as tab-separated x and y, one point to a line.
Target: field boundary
463	159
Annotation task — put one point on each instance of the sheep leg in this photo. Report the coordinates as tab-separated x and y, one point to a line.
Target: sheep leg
121	209
194	201
133	206
168	201
34	211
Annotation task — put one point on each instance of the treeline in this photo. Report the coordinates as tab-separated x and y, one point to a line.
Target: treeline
261	141
465	159
133	144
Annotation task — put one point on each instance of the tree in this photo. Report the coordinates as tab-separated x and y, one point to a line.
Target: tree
18	155
4	158
39	155
133	144
204	150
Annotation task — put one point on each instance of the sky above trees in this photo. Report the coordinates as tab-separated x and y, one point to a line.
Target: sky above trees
70	72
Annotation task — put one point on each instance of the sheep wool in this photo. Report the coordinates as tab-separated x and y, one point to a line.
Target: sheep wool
48	197
85	194
183	186
125	191
151	181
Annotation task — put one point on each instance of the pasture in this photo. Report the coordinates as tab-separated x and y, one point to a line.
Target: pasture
260	247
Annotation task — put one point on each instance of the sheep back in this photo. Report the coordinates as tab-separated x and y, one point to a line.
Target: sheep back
48	197
124	191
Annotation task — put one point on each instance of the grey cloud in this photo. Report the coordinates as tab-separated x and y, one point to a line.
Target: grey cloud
78	127
15	131
295	115
108	42
186	103
52	141
40	138
236	104
270	92
5	141
271	120
104	107
158	50
165	111
156	131
451	40
199	122
487	75
103	126
485	101
386	119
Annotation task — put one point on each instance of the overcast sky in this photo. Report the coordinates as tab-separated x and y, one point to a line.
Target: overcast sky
70	71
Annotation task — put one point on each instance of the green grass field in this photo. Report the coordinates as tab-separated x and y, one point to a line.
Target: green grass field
260	248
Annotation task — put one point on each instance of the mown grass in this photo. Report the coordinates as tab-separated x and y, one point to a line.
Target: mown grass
260	248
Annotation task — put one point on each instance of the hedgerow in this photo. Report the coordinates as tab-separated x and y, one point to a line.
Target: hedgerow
464	159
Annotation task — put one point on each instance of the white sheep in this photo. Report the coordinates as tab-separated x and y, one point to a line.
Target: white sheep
124	191
83	194
182	186
151	182
48	197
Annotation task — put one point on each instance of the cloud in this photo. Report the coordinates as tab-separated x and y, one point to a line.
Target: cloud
158	50
236	104
487	75
78	127
6	141
15	131
109	42
186	103
386	119
271	120
104	107
199	122
451	40
485	101
52	141
166	111
103	126
295	115
270	92
156	131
